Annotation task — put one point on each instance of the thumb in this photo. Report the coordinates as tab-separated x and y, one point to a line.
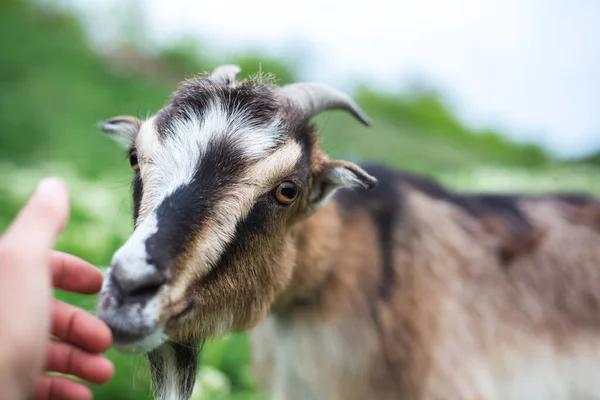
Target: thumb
38	224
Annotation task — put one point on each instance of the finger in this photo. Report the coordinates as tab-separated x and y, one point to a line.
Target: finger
79	328
25	275
41	220
60	388
73	274
71	360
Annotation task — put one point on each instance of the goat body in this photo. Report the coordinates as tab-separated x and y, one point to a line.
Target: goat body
414	292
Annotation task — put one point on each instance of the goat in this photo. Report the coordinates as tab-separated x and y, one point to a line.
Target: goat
358	282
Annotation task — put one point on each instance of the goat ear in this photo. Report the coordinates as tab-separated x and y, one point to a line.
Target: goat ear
123	129
335	175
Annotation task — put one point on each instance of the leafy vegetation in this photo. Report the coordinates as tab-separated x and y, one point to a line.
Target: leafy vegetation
54	88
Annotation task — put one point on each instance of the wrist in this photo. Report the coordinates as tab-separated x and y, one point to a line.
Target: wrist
9	382
17	376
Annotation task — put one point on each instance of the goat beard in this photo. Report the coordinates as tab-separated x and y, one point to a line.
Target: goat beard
173	368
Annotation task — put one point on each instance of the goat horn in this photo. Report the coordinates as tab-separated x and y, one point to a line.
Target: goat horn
226	73
314	98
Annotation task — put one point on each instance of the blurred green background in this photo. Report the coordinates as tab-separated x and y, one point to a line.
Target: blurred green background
55	88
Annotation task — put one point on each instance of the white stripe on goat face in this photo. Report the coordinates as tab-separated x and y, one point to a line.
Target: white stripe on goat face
170	162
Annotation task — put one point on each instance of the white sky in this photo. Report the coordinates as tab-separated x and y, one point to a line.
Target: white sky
529	67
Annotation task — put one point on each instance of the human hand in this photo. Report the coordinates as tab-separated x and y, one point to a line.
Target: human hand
81	335
28	313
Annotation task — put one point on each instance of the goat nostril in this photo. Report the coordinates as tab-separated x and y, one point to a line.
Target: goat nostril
116	286
146	290
135	288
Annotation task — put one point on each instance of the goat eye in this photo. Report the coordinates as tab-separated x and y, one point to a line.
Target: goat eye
133	160
286	193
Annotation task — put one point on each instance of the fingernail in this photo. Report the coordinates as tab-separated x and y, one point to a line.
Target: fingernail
49	186
108	364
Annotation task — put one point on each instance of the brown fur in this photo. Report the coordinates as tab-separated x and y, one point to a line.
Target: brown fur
455	309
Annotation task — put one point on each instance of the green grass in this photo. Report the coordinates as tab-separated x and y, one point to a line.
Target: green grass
54	89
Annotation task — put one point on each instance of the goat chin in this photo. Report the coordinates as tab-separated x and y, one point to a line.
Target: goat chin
142	346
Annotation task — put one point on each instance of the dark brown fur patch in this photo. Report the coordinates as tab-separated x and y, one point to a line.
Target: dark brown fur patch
511	244
501	214
586	214
384	206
